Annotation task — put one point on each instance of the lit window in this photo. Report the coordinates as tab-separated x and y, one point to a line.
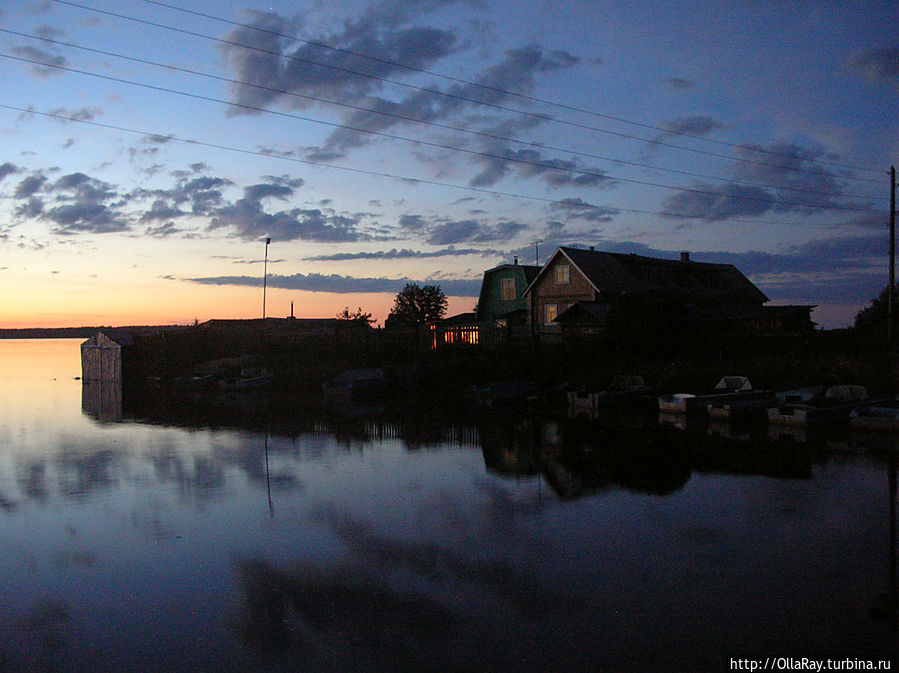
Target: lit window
562	274
550	311
508	289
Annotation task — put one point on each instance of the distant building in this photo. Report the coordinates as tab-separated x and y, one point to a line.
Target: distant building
101	357
575	291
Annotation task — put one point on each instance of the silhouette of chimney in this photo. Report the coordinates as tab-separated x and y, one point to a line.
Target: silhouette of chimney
685	257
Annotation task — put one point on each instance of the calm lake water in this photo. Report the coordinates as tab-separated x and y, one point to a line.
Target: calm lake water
506	544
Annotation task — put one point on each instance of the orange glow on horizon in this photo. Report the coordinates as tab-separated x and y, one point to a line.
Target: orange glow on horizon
190	303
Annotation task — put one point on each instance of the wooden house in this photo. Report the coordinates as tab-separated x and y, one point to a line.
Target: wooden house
577	289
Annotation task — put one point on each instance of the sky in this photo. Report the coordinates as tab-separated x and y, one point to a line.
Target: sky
149	148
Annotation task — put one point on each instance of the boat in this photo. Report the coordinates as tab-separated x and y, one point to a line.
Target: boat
675	403
807	406
728	388
625	391
881	415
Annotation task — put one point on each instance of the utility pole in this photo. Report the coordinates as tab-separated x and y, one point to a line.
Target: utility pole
537	252
265	275
891	318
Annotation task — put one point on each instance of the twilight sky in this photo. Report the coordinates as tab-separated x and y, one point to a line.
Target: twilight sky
149	147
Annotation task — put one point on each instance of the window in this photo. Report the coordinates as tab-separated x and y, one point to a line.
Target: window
550	311
508	288
562	274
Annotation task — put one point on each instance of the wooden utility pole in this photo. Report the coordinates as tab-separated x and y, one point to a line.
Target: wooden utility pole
891	318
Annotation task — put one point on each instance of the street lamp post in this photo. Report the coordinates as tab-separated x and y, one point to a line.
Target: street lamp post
265	275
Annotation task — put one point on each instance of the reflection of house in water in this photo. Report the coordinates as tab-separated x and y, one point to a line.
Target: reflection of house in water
101	376
579	458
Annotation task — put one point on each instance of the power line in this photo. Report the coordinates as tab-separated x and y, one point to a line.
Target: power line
487	155
459	80
451	127
533	115
309	162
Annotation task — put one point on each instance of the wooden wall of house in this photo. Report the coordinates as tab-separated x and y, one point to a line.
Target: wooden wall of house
548	291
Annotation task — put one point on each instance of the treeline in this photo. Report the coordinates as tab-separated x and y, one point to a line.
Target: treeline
79	332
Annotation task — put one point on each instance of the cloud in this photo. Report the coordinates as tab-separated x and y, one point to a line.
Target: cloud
517	71
458	231
315	282
30	186
877	64
249	221
782	177
400	254
697	125
412	222
65	115
678	83
500	160
575	208
163	230
694	125
93	218
279	66
8	169
45	57
74	203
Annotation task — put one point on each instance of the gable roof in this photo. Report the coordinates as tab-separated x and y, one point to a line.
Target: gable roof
617	273
528	272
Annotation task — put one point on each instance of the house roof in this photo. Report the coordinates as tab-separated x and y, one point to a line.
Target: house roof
528	272
616	273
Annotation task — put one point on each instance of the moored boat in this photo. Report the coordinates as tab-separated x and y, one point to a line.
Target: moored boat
881	415
807	406
728	388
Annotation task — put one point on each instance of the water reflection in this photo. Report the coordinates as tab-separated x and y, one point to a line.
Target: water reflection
262	535
102	399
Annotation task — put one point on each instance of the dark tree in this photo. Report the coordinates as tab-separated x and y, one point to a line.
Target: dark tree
871	321
415	306
356	318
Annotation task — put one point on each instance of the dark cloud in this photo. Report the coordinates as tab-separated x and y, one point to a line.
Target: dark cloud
203	195
696	125
31	208
401	254
249	221
30	186
412	222
516	72
79	115
49	31
499	161
74	203
779	178
8	169
315	282
575	208
678	83
164	230
277	64
161	210
85	217
34	54
472	231
882	64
